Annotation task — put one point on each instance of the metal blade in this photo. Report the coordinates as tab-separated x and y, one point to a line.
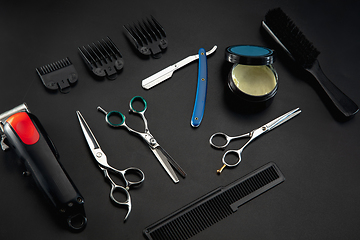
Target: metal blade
89	136
173	162
165	163
159	77
94	146
283	118
166	73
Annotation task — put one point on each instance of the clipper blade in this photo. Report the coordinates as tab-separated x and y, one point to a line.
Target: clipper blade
58	75
102	58
148	36
4	116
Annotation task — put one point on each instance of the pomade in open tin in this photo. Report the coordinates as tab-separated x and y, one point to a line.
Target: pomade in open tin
252	81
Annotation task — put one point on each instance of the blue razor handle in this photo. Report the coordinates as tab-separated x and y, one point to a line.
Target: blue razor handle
200	99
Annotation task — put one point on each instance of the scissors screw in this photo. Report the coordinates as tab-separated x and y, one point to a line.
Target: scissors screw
79	200
99	154
152	141
26	173
263	128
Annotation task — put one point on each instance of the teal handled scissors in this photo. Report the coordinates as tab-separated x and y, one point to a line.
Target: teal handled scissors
101	158
252	135
163	157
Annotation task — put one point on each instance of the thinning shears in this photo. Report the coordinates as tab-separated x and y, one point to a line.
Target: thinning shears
252	135
163	157
101	158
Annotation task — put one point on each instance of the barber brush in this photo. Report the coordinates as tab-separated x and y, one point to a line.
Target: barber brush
285	33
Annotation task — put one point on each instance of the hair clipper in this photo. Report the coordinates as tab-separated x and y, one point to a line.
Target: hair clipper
23	132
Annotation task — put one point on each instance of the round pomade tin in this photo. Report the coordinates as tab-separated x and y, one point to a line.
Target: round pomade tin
252	81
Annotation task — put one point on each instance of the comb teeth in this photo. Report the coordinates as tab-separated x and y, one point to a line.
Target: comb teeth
215	206
148	36
103	58
54	66
58	75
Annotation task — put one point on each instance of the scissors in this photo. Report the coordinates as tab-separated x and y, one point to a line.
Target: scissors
163	157
101	158
252	135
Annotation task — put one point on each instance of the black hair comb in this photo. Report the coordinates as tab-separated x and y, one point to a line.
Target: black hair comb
148	37
214	206
102	58
58	75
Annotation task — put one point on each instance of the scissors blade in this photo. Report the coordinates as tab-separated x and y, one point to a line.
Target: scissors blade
282	119
89	136
94	146
173	162
166	73
165	163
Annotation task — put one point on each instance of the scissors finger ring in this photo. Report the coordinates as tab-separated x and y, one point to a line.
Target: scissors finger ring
133	171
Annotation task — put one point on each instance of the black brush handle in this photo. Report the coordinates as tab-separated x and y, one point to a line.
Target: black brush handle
342	102
26	135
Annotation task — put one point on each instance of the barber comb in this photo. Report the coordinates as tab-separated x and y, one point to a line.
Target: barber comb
148	36
58	75
102	58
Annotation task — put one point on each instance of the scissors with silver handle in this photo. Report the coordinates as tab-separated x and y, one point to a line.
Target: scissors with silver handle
164	158
101	158
252	135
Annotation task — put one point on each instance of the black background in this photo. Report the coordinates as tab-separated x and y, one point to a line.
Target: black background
318	154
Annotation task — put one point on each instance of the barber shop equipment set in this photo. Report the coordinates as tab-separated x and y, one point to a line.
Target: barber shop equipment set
251	85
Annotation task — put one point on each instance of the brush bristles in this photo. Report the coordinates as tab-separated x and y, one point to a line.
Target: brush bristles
301	49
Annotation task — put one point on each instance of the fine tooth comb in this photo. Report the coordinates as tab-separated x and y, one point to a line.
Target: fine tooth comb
102	58
285	33
58	75
214	206
149	37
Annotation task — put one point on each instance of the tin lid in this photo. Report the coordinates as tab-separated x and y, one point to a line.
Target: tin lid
250	55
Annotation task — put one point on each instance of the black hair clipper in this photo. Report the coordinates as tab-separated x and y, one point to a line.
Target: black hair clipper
23	132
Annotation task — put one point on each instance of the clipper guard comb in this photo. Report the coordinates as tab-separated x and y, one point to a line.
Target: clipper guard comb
103	58
58	75
149	37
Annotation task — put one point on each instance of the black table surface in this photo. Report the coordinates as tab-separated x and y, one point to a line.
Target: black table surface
318	153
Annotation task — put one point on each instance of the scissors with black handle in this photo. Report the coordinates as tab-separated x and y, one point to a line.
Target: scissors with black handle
101	158
252	135
163	157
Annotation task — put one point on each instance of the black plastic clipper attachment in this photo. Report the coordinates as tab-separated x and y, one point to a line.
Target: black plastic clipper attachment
58	75
148	36
103	58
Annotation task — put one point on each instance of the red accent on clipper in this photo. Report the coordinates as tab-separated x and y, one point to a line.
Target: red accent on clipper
24	128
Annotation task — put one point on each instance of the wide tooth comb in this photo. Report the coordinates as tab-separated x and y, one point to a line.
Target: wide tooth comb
102	58
148	36
58	75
